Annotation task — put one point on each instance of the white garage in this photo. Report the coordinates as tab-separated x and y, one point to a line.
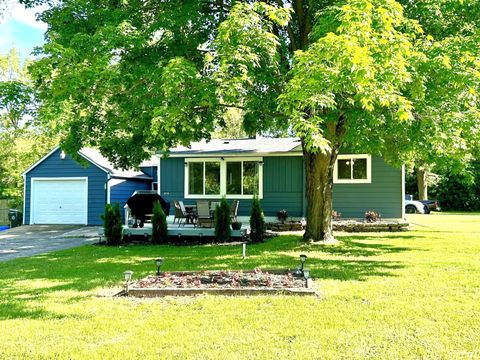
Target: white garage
59	200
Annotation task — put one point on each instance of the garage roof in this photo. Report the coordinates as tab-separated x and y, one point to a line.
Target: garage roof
93	156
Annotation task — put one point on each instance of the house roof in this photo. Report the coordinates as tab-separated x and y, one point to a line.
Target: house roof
247	146
97	159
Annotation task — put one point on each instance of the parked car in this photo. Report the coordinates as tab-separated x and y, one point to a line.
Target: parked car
415	207
429	205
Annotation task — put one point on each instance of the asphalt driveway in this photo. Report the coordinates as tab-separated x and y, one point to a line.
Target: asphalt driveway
31	240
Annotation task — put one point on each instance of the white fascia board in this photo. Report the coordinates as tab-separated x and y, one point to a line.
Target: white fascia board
94	163
230	155
40	161
53	151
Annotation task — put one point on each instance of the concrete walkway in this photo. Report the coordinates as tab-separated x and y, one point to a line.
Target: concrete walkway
31	240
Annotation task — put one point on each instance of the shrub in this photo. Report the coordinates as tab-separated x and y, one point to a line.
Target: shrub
257	221
459	191
112	224
159	225
222	221
282	215
372	216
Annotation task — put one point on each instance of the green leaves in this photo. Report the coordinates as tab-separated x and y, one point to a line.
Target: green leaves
362	65
187	111
133	77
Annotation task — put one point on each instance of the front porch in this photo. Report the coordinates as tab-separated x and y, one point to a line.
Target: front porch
184	230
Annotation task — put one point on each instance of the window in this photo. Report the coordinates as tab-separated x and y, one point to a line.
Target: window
351	169
234	178
203	178
155	186
242	177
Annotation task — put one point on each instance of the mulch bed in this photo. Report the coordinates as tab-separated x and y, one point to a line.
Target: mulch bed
255	282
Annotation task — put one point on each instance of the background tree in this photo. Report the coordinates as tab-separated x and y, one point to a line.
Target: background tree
447	115
22	141
130	77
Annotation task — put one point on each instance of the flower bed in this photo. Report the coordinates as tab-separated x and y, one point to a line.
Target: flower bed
347	225
255	282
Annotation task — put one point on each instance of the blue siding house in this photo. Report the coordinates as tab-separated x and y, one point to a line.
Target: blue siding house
59	190
273	168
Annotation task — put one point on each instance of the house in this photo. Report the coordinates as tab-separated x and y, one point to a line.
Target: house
273	168
59	190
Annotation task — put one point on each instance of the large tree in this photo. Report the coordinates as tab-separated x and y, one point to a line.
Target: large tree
136	76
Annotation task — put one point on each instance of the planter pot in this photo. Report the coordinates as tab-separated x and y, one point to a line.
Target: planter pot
236	225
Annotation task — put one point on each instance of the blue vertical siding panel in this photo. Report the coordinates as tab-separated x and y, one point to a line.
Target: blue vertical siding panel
55	167
383	194
172	175
282	185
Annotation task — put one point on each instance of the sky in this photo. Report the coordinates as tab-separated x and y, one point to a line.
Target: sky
20	29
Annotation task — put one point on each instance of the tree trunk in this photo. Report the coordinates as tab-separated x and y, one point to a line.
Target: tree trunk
319	191
422	183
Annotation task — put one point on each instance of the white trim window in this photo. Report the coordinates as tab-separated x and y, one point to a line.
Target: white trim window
242	178
234	178
353	169
202	178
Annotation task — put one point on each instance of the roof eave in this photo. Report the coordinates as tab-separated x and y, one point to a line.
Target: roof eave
232	154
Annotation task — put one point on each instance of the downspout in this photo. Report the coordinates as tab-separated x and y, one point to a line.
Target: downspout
107	189
24	197
159	192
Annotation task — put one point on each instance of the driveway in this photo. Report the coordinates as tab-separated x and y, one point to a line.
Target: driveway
31	240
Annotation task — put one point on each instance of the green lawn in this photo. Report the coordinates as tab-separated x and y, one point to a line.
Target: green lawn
389	295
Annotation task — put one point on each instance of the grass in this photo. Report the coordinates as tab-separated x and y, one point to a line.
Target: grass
386	295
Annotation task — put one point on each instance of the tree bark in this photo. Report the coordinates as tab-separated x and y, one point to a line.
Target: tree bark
319	184
319	191
422	183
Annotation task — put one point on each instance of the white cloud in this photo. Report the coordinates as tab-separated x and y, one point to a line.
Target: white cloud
25	16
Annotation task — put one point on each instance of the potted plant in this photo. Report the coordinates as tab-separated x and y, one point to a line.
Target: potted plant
372	216
236	225
336	215
282	216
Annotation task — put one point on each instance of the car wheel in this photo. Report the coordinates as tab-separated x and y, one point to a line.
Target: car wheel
426	210
410	209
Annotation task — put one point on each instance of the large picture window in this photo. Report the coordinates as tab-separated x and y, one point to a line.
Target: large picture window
233	178
204	178
353	169
242	177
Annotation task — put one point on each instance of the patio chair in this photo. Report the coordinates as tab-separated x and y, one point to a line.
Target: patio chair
180	213
204	216
213	206
235	204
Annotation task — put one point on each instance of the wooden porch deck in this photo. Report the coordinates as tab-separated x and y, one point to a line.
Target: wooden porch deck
187	230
